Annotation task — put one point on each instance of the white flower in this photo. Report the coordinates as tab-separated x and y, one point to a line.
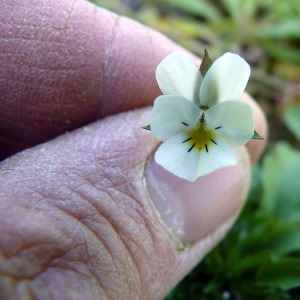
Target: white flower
200	119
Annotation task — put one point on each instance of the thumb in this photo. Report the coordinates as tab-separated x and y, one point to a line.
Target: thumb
91	214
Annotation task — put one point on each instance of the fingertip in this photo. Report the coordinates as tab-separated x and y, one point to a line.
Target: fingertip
256	147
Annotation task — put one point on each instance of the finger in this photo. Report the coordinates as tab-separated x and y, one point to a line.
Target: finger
65	64
256	147
88	214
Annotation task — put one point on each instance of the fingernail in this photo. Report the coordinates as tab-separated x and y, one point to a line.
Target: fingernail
191	210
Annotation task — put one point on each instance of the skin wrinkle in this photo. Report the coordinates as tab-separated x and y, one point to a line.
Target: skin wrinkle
36	274
12	251
93	232
128	193
65	27
108	53
117	269
22	289
125	238
86	262
62	274
132	194
31	247
111	192
74	265
39	240
28	290
25	271
152	238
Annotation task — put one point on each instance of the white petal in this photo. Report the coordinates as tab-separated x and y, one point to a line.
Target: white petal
219	155
225	80
236	120
174	156
178	75
172	115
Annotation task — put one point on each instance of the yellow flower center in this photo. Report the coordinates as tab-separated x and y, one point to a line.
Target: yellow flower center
200	137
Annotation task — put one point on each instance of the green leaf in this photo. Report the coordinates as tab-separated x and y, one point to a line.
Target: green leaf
256	136
285	238
277	238
147	127
232	7
288	28
281	188
200	8
285	9
284	273
292	120
205	64
241	8
282	52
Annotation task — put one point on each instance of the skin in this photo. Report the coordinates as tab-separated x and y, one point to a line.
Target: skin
76	219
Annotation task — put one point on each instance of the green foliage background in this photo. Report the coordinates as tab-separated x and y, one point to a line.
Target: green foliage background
260	257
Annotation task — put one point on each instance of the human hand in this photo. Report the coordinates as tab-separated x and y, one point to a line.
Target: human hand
88	215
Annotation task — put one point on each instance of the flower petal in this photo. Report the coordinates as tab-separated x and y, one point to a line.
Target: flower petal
233	121
219	155
171	115
225	80
178	75
174	156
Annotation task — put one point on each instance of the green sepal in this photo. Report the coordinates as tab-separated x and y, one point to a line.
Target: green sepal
147	127
256	136
206	63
